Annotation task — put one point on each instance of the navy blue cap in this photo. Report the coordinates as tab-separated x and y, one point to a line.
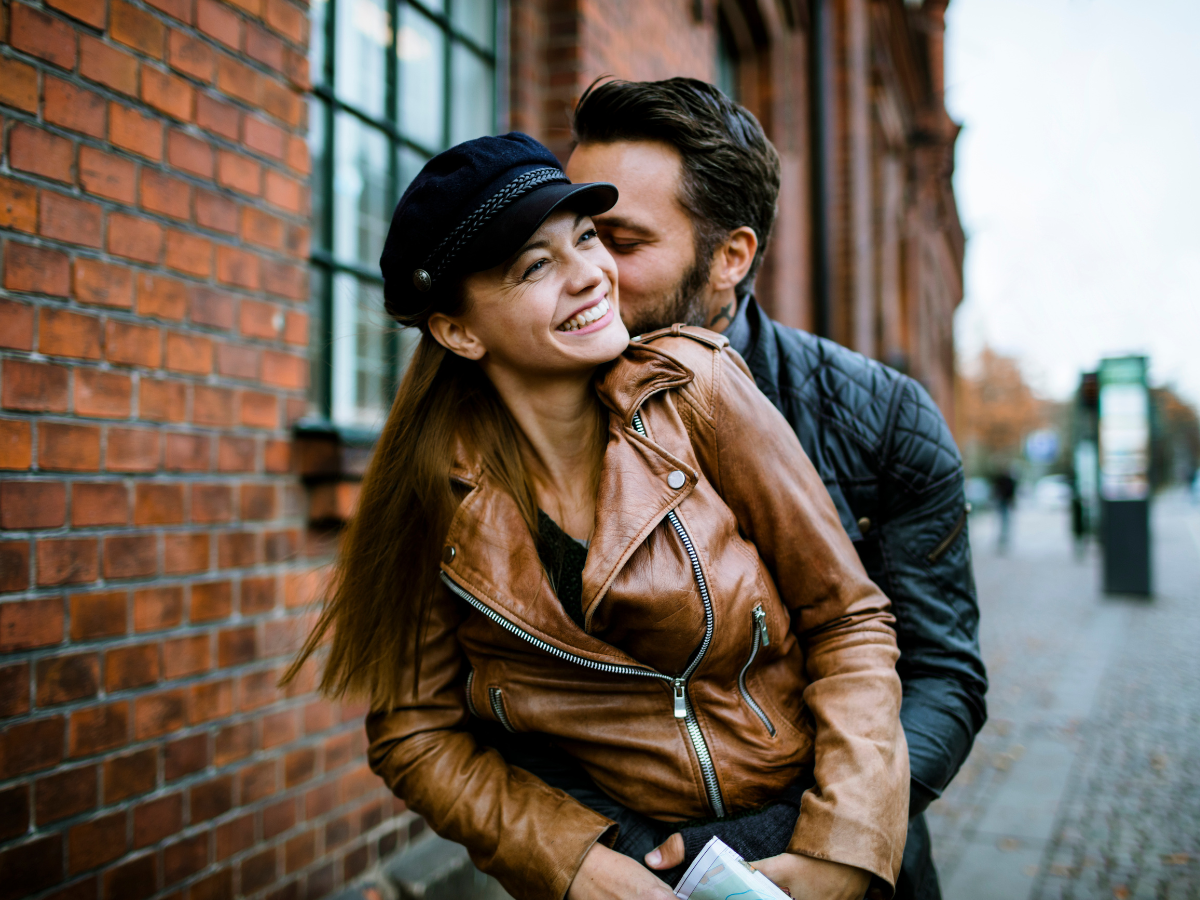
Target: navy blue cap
470	208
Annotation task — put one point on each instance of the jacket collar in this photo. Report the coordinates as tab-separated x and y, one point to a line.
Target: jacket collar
625	383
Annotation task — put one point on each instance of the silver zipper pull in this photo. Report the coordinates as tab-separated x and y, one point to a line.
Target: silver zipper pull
680	698
760	619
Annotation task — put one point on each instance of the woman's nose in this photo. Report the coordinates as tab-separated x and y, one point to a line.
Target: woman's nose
584	274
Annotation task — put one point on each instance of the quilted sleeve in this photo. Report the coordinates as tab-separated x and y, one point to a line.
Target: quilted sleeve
927	559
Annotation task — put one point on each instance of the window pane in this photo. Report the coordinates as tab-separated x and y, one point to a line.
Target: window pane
420	46
318	146
408	164
471	114
476	19
361	377
316	44
361	199
364	35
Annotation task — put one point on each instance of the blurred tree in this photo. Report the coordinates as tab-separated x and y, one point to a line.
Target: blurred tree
996	410
1175	451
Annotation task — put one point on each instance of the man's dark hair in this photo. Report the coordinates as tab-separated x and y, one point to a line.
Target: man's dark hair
730	169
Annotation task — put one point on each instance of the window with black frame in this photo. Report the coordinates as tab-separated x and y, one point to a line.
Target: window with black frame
395	82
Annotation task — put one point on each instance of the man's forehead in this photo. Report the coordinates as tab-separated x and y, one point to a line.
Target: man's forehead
647	173
647	163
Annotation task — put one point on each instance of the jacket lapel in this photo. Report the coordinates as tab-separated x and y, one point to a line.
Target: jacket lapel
495	555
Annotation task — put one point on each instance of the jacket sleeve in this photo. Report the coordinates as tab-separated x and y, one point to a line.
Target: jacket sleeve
926	564
858	812
530	836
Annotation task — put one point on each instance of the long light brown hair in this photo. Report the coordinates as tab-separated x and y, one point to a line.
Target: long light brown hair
386	574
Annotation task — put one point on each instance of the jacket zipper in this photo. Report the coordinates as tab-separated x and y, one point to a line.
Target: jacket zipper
471	703
759	638
939	551
496	698
682	708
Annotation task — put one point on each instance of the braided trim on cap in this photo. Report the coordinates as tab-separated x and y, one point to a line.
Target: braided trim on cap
452	243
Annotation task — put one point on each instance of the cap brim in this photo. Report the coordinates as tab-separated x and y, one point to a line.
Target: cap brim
512	227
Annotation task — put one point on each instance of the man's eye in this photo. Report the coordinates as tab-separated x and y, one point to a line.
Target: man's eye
623	245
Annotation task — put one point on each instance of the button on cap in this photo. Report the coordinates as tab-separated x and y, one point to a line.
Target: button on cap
676	480
448	555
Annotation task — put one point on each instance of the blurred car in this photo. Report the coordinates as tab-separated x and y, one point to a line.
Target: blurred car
1052	492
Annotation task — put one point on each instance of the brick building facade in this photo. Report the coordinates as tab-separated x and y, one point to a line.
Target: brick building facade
192	363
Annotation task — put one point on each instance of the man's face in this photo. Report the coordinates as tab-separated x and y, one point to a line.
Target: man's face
648	232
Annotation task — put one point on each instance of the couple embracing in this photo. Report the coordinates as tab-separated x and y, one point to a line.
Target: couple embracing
611	596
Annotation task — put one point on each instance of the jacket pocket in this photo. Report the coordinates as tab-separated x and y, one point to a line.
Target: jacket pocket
470	701
945	543
759	638
496	698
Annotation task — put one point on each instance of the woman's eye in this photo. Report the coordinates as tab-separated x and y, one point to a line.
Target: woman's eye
587	235
536	267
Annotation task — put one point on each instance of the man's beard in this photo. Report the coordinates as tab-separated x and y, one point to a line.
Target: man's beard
684	304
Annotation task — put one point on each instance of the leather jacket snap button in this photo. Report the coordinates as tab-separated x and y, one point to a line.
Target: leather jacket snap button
864	524
448	555
676	480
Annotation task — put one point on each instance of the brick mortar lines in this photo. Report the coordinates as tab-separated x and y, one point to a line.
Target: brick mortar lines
170	22
277	843
187	579
185	126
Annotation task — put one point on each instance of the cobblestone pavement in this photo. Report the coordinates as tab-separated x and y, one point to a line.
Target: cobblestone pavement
1086	781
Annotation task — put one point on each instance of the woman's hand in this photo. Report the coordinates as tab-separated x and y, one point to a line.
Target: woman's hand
802	877
608	875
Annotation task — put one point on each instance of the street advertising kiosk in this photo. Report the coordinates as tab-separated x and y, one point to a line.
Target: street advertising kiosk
1125	475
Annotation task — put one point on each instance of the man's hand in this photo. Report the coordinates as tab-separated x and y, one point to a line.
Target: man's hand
802	877
806	878
608	875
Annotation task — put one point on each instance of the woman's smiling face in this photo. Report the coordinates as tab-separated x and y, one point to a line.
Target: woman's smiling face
550	309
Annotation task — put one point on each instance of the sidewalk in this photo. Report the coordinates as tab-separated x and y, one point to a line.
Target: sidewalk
1086	781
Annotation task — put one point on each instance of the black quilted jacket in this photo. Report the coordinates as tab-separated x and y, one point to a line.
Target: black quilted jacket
895	475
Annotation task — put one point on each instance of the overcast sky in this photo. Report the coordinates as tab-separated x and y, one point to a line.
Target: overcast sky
1078	183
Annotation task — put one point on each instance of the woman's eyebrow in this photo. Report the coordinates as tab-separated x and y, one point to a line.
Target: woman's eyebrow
532	245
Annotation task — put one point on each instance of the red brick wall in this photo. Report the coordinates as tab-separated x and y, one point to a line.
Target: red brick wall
153	556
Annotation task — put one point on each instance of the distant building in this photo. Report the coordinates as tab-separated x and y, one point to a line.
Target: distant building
194	361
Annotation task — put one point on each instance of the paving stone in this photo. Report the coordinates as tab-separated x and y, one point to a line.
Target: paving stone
1086	781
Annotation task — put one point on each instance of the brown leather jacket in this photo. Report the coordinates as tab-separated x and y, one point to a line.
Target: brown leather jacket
732	638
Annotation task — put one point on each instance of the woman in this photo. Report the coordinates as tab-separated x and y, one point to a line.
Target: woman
716	642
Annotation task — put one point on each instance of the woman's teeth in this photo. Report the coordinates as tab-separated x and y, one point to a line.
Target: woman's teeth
587	317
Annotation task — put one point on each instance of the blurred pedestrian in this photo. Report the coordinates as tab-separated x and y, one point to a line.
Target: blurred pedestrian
1004	491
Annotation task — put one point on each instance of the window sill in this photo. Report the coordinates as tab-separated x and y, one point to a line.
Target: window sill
331	461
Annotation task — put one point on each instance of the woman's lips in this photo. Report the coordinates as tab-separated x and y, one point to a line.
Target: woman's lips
583	321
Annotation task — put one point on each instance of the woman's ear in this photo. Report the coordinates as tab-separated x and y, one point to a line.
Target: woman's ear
455	337
733	259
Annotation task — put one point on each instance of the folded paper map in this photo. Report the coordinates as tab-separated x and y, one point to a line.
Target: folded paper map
718	873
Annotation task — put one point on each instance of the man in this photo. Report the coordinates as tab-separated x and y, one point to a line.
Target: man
699	183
